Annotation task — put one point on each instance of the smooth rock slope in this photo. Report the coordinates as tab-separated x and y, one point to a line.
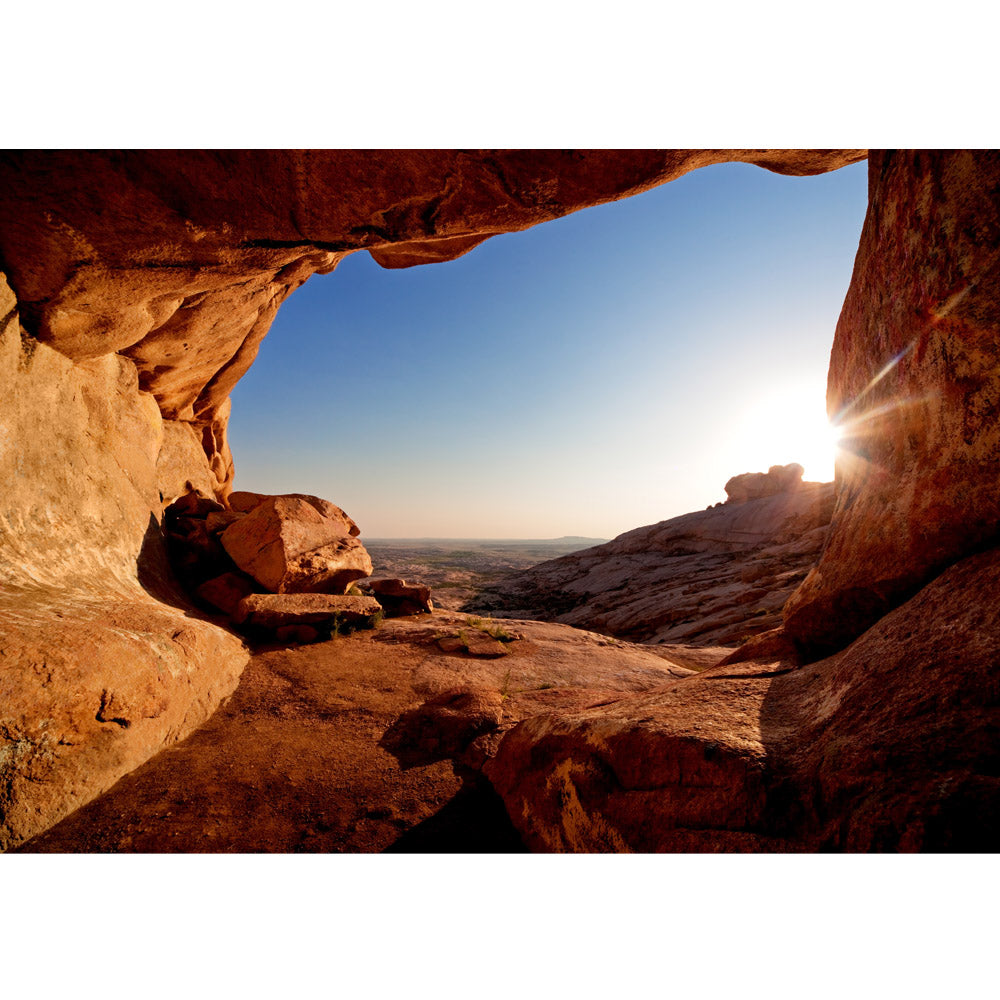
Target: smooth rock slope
713	577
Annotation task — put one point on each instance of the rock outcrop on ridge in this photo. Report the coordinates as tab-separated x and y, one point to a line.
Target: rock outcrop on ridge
140	287
715	577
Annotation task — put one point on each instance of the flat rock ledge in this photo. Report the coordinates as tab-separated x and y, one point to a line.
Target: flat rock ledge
277	610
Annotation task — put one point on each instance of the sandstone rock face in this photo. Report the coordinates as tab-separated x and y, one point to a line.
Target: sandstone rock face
754	485
915	384
97	669
714	577
888	745
289	547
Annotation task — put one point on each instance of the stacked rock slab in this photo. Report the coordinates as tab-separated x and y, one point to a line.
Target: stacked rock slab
289	547
303	550
277	610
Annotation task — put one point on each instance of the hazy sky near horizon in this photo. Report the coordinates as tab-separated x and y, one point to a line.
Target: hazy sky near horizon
599	372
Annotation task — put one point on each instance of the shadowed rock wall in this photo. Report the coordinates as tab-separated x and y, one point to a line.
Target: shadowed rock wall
915	383
101	660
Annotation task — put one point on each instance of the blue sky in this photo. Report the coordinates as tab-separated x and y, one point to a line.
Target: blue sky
596	373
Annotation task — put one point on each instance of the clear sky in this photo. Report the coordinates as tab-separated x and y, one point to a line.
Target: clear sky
599	372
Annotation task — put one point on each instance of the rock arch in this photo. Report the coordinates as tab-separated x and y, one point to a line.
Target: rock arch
139	286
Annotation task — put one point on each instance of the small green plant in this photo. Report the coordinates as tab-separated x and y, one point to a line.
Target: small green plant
354	591
505	687
499	633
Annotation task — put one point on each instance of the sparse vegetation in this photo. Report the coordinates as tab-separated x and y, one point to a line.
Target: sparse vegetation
339	626
496	631
505	687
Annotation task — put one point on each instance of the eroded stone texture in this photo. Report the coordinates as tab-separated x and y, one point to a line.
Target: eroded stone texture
102	662
712	577
289	547
915	383
888	745
754	485
276	610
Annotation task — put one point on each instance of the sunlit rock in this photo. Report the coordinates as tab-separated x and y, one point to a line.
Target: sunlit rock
289	547
754	485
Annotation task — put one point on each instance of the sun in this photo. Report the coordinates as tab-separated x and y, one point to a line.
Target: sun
787	424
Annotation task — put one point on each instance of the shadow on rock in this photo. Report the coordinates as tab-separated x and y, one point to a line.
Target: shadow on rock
474	821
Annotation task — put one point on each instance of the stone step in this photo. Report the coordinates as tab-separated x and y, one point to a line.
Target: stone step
276	610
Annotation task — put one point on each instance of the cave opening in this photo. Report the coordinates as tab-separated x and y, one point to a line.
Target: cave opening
604	370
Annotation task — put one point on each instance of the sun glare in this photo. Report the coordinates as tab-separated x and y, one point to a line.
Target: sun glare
789	424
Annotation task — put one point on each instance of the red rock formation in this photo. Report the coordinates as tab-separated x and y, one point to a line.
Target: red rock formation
754	485
888	745
289	547
145	283
915	384
712	577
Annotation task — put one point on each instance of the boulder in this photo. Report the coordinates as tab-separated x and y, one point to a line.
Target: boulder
289	547
276	610
754	485
398	597
242	502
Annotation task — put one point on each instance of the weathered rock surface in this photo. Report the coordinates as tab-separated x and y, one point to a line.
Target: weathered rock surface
289	547
102	661
754	485
889	745
443	727
915	384
275	610
713	577
293	761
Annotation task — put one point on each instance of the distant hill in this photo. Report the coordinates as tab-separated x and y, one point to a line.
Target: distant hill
713	577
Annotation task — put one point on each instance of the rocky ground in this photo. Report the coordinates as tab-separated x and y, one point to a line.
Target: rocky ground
296	761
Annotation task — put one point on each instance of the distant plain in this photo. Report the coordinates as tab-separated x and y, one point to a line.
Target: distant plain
458	569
